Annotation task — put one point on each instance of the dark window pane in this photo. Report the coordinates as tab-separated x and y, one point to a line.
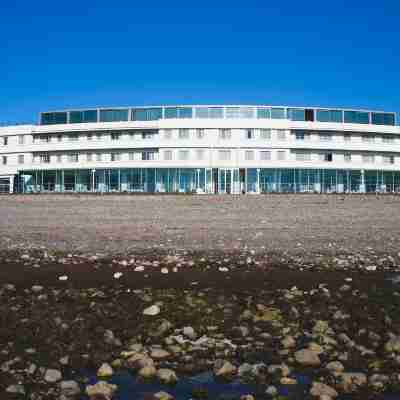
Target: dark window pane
113	115
329	116
383	119
356	117
53	118
263	113
146	114
278	113
296	114
185	112
170	113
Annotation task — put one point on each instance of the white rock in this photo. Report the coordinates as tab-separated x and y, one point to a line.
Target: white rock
152	310
63	278
16	389
140	268
101	388
164	270
105	370
52	375
167	376
70	388
117	275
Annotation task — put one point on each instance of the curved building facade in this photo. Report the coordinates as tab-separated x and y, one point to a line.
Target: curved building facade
203	149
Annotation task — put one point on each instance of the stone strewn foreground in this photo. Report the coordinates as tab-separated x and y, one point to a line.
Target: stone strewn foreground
292	311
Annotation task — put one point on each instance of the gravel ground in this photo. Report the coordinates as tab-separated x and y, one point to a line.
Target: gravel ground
289	223
288	297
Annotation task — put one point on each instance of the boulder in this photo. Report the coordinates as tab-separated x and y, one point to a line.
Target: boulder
167	376
351	381
70	388
152	310
101	390
224	368
52	375
105	371
319	389
307	357
147	372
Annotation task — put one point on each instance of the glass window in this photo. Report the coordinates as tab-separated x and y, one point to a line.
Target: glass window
224	134
281	133
76	117
347	157
265	155
299	135
45	158
263	113
4	160
89	136
113	115
5	140
73	157
99	157
278	113
383	118
73	137
249	155
115	135
296	114
281	155
21	139
200	154
303	156
20	159
265	134
368	138
209	112
59	158
356	117
200	133
329	116
99	136
168	134
53	118
183	154
170	113
239	112
250	134
168	155
149	155
224	155
146	114
325	137
328	157
183	133
185	112
388	139
115	156
147	135
89	156
388	159
347	137
59	138
368	158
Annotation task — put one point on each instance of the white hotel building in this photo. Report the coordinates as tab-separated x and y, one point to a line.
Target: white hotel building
203	149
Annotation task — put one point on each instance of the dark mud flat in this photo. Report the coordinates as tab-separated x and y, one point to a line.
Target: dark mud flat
156	319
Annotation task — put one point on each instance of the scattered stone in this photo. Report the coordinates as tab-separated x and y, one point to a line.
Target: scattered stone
105	370
52	375
307	357
159	354
101	389
152	310
147	372
167	376
351	381
224	368
335	366
162	396
16	389
319	389
70	388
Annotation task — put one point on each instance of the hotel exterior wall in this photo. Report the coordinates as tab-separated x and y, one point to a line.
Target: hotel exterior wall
211	143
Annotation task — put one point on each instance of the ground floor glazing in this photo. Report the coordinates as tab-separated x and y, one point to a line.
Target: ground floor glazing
208	180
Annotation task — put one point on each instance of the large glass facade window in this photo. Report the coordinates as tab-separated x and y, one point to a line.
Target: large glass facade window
53	118
382	119
77	117
278	113
356	117
209	112
146	114
113	115
263	113
239	112
329	116
296	114
178	112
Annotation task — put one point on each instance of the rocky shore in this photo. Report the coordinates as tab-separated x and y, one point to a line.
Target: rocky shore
289	330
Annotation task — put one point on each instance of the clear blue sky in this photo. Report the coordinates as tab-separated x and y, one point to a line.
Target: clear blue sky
67	54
